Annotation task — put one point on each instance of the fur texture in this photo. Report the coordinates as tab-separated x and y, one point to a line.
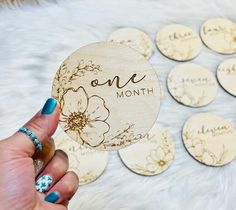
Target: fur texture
35	41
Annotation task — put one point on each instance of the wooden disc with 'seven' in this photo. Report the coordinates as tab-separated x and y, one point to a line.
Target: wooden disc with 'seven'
133	38
192	85
86	163
152	155
210	139
178	42
219	34
226	74
109	95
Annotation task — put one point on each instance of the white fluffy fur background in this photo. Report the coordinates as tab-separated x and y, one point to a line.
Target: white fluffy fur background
34	42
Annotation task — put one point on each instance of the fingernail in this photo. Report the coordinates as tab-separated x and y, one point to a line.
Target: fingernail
52	197
43	183
49	106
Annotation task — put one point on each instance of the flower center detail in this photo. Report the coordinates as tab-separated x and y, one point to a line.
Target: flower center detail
77	121
161	163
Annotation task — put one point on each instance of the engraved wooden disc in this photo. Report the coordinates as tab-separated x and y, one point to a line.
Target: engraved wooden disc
86	163
226	74
210	139
133	38
152	155
106	92
192	85
178	42
219	35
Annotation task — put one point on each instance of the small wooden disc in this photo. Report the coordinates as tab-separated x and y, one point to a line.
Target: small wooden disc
86	163
192	85
106	92
133	38
152	155
210	139
226	74
178	42
219	35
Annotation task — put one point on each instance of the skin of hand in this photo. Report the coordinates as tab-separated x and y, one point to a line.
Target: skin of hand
17	172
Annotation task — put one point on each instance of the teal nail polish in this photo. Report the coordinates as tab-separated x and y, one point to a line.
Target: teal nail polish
52	197
49	106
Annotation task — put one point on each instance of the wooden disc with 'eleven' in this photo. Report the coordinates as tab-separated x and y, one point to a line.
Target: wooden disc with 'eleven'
178	42
86	163
219	34
210	139
226	74
133	38
192	85
109	95
152	155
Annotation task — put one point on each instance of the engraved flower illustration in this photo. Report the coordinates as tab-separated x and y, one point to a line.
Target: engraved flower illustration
159	159
84	117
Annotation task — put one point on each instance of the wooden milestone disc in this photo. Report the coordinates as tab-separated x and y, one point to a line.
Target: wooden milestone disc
192	85
178	42
109	95
86	163
219	35
210	139
152	155
133	38
226	74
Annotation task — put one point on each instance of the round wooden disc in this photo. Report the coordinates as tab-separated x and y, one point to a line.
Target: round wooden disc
210	139
152	155
133	38
192	85
178	42
226	74
219	35
106	92
86	163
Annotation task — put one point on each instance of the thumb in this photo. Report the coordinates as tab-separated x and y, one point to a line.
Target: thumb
43	125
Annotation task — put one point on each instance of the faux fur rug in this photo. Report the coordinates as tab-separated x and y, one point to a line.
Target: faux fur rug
34	42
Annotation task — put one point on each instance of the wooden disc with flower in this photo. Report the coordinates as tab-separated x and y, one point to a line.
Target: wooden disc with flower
219	34
152	155
178	42
109	95
86	163
134	38
192	85
210	139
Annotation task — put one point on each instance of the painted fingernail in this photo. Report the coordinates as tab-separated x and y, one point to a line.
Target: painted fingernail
49	106
43	183
53	197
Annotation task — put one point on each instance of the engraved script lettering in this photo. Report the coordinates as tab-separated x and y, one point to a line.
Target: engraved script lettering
117	81
215	131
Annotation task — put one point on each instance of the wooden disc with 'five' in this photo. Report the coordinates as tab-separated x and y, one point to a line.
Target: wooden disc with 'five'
152	155
133	38
210	139
192	85
226	74
178	42
219	34
109	95
86	163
